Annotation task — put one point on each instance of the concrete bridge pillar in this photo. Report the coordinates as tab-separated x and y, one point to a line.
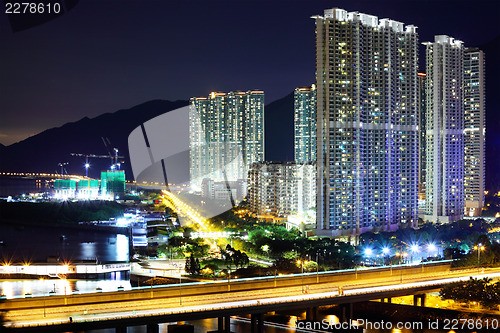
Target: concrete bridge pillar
253	326
257	320
312	314
220	324
347	312
260	323
227	324
153	328
419	297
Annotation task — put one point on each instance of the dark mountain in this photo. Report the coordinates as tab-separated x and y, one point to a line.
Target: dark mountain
43	152
279	130
492	54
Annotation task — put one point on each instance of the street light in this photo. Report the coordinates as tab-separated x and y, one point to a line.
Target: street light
43	293
180	286
385	254
479	248
431	247
401	254
301	262
368	252
414	250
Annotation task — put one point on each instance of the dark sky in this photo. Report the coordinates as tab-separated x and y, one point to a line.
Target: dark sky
104	55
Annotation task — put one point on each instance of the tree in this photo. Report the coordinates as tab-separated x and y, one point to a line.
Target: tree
481	291
187	265
240	259
192	265
310	266
286	266
453	253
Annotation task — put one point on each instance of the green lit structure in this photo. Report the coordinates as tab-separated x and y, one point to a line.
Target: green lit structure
113	184
88	189
64	188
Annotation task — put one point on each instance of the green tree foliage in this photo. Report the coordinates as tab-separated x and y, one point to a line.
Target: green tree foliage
489	254
233	256
453	253
286	266
310	266
482	291
179	244
192	265
59	212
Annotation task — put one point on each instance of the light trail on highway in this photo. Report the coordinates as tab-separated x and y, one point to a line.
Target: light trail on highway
183	208
221	301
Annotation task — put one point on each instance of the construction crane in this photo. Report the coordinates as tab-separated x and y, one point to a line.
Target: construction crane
62	164
114	159
107	144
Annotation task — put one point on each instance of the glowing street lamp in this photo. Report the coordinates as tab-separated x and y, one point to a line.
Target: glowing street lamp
479	247
431	247
301	263
414	248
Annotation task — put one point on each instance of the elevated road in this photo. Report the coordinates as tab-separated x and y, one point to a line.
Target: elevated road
215	299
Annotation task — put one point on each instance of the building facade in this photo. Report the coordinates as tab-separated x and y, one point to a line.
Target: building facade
277	190
231	190
367	123
305	124
475	130
422	102
444	197
226	135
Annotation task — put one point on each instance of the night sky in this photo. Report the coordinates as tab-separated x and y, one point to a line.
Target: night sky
105	55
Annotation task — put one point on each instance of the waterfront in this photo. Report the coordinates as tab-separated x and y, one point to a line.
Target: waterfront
31	244
14	186
37	243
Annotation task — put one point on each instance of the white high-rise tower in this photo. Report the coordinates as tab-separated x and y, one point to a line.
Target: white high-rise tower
475	131
367	123
444	196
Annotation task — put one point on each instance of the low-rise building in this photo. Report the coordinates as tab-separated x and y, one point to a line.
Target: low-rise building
279	189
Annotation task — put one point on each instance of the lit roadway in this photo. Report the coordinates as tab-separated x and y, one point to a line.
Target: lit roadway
184	209
209	300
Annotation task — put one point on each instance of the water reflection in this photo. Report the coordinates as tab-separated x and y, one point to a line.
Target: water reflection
87	250
23	288
36	243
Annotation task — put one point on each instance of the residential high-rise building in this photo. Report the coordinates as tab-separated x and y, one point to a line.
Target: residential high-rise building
367	123
277	190
226	135
475	130
444	196
305	124
253	128
421	169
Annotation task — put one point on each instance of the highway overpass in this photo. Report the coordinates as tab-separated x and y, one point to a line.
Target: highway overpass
153	305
